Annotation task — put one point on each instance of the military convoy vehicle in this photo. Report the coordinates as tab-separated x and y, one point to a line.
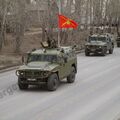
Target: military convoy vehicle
48	65
99	44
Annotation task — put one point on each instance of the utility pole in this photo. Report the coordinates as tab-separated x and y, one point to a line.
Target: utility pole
50	28
60	11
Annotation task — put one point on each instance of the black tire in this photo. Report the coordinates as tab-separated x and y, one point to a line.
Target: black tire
104	52
71	77
111	51
53	82
87	53
118	44
22	86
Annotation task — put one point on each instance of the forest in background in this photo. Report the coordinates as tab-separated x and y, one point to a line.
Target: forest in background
19	17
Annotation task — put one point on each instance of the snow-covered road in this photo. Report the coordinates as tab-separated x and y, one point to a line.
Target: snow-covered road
94	96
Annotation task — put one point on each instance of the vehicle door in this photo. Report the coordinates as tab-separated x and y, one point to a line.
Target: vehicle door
63	69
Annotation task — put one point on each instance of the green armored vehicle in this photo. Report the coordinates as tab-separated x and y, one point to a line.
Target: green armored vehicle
49	66
99	44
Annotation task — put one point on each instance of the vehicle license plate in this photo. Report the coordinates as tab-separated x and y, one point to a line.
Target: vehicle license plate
31	79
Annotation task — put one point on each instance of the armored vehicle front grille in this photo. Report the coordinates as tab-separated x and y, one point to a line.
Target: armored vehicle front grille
37	73
33	74
28	73
93	46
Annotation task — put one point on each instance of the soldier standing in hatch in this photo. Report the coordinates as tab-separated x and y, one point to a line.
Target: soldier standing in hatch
51	42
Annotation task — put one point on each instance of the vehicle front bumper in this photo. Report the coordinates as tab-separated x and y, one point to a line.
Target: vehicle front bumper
32	81
94	50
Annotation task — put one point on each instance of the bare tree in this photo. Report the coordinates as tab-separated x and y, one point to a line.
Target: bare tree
3	17
19	23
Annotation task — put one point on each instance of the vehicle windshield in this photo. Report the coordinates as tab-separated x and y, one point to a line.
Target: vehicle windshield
42	58
94	39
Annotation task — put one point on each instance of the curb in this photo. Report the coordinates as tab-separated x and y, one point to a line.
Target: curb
9	68
81	51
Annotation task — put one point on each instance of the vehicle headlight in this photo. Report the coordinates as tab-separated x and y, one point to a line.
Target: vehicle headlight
21	73
45	73
100	46
17	73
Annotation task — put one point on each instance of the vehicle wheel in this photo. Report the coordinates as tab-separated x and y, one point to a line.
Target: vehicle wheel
87	53
111	51
104	52
118	45
53	82
71	77
21	85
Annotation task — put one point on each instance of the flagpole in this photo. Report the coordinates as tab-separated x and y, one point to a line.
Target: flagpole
59	30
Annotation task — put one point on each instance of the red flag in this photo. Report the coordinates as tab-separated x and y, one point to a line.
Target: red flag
65	22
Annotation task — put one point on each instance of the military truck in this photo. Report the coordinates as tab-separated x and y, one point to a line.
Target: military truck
99	44
49	66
